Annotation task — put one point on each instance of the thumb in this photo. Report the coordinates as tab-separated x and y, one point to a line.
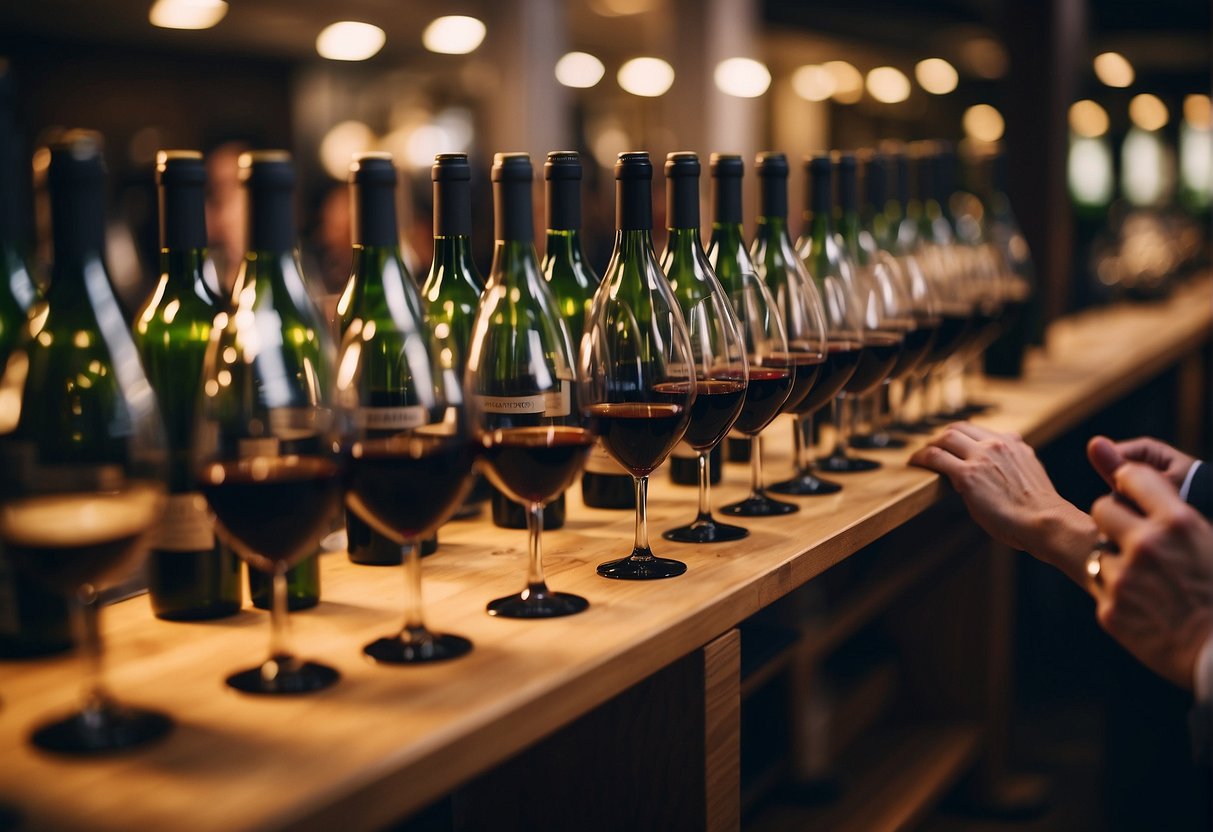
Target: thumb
1105	458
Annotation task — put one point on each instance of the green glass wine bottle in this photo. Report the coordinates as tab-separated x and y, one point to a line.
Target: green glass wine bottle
33	620
380	282
452	288
190	574
272	276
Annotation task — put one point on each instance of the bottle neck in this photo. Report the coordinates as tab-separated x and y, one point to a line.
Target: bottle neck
634	242
634	207
453	262
564	244
771	227
271	213
512	217
374	219
563	205
774	198
684	241
682	203
727	237
849	227
452	208
184	268
77	223
726	201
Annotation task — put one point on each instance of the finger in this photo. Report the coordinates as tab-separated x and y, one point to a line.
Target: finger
937	459
1147	488
1105	458
1145	449
1114	519
957	443
973	431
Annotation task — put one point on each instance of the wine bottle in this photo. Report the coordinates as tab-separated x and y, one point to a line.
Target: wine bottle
33	620
729	258
572	283
379	282
273	277
1022	314
453	286
191	575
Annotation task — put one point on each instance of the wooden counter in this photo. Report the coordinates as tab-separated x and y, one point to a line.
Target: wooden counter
388	740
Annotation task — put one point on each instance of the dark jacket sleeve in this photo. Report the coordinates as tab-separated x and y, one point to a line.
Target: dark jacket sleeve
1200	492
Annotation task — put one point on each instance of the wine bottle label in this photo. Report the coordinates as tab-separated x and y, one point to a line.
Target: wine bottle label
532	405
600	461
185	525
391	418
558	402
684	451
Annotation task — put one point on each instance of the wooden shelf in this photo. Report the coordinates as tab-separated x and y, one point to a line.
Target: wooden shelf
889	782
387	741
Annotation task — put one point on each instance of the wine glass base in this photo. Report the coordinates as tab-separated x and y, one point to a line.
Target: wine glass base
307	677
759	506
882	441
847	464
538	605
642	568
805	484
706	531
112	728
433	647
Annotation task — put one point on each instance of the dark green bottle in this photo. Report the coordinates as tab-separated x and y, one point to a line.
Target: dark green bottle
379	281
190	575
33	620
272	274
451	292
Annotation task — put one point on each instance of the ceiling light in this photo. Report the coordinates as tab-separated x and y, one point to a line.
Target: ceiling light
579	69
813	83
848	82
983	123
985	57
1088	119
1148	112
742	77
341	143
1114	69
454	34
350	40
646	77
936	76
888	85
187	14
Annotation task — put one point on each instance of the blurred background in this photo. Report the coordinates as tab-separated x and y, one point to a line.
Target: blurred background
1102	106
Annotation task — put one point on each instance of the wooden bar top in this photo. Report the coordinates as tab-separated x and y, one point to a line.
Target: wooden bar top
386	741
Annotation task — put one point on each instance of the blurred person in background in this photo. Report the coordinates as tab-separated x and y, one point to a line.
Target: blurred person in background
225	212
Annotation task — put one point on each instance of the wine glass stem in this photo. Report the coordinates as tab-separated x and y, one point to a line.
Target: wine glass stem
87	611
798	459
756	484
705	487
534	570
641	547
840	431
280	622
414	622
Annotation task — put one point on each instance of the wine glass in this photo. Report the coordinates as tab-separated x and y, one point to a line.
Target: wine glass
82	448
521	370
408	436
267	437
717	347
636	362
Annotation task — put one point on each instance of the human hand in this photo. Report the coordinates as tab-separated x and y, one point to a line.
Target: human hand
1009	494
1107	456
1156	595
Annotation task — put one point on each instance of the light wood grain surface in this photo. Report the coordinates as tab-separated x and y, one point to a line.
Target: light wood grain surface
387	740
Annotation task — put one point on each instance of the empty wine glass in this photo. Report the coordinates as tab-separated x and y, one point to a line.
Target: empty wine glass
82	448
521	370
637	362
409	439
266	445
